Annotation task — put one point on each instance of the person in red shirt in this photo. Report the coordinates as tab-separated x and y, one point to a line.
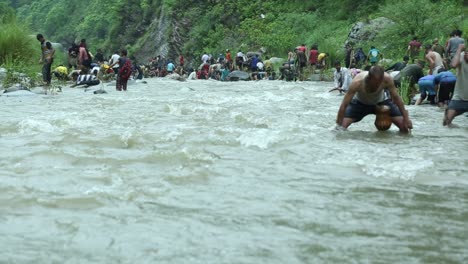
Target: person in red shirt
228	55
413	49
302	48
181	60
313	56
228	59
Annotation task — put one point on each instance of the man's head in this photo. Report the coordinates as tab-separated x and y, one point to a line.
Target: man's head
40	37
415	38
406	59
372	47
123	52
337	65
428	47
375	77
436	41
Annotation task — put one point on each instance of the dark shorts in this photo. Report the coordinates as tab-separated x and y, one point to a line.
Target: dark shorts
446	91
357	110
458	105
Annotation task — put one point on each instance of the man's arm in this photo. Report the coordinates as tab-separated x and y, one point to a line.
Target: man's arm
456	61
353	88
399	102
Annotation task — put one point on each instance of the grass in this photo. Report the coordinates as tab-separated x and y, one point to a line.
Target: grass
19	53
405	91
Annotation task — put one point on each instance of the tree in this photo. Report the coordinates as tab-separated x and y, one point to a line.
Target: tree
422	18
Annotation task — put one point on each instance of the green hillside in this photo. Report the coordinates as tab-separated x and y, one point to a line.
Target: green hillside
191	27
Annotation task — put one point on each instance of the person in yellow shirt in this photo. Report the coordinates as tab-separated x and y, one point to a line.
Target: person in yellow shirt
61	72
321	59
322	63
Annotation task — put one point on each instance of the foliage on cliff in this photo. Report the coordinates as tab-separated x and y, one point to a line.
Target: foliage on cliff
192	27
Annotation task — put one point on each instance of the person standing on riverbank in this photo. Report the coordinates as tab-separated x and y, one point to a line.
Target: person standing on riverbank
453	43
47	58
374	55
124	71
413	49
366	93
114	62
313	57
459	103
438	48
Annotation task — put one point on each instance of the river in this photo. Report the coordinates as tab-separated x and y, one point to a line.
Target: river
211	172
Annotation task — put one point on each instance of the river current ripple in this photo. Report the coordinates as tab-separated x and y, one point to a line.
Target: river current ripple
210	172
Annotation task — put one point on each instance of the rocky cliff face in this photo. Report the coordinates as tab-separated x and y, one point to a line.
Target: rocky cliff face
156	40
165	36
362	32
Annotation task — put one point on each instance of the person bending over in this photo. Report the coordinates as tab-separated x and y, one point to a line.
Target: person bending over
366	93
342	78
86	79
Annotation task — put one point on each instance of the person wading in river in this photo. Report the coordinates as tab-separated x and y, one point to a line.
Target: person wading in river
47	58
366	92
459	103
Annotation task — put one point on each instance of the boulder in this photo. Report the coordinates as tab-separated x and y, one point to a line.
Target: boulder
367	31
3	74
238	76
15	88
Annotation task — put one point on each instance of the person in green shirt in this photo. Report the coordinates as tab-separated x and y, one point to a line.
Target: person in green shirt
374	55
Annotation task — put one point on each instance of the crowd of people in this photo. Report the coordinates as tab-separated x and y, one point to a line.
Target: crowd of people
376	88
364	83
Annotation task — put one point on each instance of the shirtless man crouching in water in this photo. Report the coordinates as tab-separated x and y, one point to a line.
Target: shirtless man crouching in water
366	93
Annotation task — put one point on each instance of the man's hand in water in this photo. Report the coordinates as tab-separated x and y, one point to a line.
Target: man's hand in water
407	125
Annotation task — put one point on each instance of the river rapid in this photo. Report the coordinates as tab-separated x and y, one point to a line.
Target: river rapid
212	172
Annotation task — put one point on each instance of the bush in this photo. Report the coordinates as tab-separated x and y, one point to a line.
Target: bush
19	52
422	18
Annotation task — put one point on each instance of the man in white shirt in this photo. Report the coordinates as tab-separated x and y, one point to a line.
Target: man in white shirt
115	58
341	77
205	58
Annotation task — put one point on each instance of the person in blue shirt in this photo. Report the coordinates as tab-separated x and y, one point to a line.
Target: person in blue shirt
444	84
427	89
253	64
170	67
373	56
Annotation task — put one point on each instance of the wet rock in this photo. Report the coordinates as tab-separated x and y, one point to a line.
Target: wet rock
238	76
176	76
100	91
15	88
